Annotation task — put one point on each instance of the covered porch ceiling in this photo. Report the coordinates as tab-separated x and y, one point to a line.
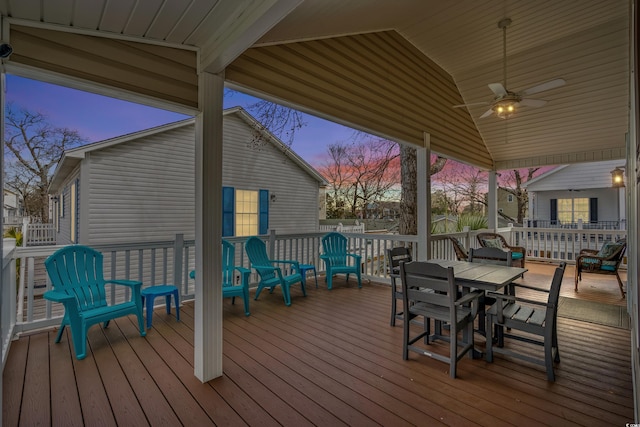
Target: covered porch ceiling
456	43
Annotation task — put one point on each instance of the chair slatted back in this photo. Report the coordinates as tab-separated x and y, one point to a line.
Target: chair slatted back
77	270
554	295
334	246
257	252
490	256
419	277
397	255
228	263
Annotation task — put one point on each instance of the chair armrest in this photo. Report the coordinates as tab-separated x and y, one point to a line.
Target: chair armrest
588	251
242	270
468	297
519	249
58	297
512	298
129	283
533	288
285	261
244	273
357	258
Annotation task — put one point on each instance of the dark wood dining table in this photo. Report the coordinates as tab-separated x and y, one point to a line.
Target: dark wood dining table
487	277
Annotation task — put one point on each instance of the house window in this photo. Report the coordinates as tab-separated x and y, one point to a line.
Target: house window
244	212
572	210
509	198
73	210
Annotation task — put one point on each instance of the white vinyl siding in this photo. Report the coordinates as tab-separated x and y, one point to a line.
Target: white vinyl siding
64	220
143	190
264	167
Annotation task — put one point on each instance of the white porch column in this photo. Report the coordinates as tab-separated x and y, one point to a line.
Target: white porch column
208	291
423	214
492	201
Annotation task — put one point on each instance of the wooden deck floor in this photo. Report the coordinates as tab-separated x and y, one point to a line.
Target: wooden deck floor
330	359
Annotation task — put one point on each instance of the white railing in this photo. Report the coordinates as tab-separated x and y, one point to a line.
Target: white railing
37	234
7	298
171	261
554	244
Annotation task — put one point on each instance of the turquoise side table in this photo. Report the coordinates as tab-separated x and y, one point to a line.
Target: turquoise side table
149	294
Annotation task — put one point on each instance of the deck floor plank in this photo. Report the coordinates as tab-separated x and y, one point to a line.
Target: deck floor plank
65	402
13	381
329	359
36	406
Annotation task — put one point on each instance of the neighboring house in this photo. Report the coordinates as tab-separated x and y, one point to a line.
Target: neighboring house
507	204
11	211
141	186
577	195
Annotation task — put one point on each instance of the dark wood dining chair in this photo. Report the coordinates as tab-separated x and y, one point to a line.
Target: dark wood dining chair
430	290
394	257
524	318
492	256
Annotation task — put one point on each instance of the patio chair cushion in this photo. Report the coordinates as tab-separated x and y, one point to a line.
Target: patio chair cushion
608	249
493	243
604	265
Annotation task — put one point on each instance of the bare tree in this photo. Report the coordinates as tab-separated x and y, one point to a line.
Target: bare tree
33	146
409	199
465	187
362	173
282	121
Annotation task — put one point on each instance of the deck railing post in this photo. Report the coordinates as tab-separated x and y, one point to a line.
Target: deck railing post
178	246
272	244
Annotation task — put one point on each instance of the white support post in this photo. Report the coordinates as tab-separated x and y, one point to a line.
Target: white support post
492	201
208	291
423	158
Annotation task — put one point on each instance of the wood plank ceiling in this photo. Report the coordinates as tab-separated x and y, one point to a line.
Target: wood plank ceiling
586	43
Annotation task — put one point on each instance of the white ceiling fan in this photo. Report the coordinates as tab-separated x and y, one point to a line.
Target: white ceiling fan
505	102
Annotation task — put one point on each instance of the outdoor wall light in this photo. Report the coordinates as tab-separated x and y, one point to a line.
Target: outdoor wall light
273	197
5	50
617	177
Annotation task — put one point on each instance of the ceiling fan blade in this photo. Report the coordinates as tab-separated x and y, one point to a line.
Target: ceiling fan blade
486	113
528	102
471	104
551	84
498	89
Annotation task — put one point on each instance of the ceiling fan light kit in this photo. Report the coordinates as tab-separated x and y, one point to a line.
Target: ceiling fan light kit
506	103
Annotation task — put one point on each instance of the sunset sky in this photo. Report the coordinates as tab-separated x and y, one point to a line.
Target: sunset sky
98	117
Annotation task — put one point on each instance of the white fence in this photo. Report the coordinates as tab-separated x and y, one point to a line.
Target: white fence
358	228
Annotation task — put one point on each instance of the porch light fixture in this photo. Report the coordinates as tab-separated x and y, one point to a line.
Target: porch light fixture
617	177
273	197
505	107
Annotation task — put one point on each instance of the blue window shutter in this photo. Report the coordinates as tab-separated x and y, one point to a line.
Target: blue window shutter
553	213
593	209
228	204
263	209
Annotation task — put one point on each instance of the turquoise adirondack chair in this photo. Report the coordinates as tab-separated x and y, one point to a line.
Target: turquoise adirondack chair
336	258
78	283
270	274
229	289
